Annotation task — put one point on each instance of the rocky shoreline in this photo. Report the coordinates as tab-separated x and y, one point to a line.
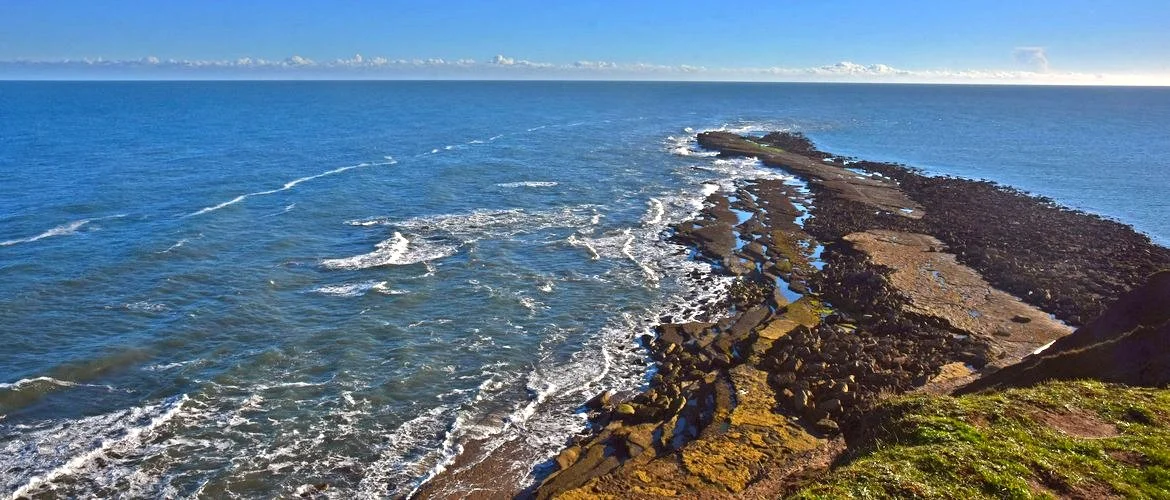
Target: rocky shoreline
898	282
854	283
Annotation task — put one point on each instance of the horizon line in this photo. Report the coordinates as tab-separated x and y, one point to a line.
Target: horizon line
585	80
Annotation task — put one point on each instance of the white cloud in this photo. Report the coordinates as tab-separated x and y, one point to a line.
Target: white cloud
1034	58
502	67
298	61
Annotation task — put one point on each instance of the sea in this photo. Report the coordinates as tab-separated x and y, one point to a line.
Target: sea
258	289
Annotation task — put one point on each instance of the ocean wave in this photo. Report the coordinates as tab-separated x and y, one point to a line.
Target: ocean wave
288	208
399	462
748	127
357	289
396	251
38	456
177	245
535	427
170	366
495	224
528	184
287	186
731	170
62	230
27	382
145	306
656	212
685	146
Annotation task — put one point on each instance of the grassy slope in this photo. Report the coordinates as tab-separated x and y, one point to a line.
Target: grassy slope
1081	439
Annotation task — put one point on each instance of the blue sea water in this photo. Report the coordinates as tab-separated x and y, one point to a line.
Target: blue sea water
247	288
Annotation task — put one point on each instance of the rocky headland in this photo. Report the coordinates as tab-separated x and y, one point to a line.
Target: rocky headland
866	281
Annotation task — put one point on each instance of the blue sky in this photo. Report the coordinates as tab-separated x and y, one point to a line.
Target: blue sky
911	40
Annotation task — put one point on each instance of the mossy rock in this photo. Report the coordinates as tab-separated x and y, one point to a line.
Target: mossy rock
723	463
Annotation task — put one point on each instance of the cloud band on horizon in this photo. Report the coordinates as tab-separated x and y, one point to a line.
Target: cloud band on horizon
501	67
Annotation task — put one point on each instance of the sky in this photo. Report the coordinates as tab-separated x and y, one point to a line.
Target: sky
1018	41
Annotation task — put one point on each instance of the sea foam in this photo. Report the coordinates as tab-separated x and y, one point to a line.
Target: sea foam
527	184
396	251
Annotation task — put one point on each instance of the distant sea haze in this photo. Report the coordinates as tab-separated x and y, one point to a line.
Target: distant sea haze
251	288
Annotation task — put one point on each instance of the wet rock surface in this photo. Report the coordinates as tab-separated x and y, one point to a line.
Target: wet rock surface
822	325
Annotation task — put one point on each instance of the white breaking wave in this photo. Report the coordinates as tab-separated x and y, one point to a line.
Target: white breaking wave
537	426
686	146
177	244
396	251
528	184
746	127
38	457
170	366
478	224
287	186
145	306
35	380
288	208
657	211
732	170
357	289
62	230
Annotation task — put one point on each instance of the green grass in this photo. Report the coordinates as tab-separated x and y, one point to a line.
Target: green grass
995	446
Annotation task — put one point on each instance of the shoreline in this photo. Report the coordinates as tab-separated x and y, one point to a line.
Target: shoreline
826	319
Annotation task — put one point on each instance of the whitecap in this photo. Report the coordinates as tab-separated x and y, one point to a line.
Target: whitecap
528	184
396	251
44	454
177	244
657	211
19	384
170	366
286	186
747	127
477	224
685	146
357	289
62	230
288	208
145	306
